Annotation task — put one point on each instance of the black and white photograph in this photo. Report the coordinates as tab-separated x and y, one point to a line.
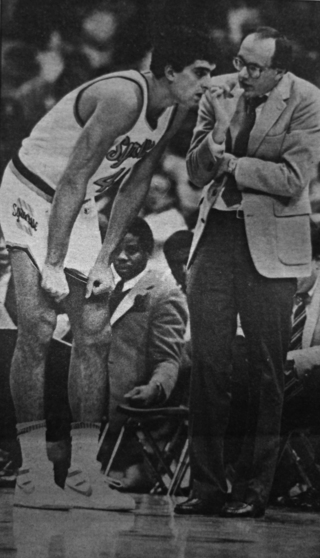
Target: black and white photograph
160	279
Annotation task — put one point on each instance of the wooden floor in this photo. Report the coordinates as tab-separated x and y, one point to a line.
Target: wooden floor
152	531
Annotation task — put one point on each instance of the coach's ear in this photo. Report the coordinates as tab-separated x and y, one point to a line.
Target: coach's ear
169	72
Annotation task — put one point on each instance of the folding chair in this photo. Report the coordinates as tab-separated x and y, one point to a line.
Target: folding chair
161	460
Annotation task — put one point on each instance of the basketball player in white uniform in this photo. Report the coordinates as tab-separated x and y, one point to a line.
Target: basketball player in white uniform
108	133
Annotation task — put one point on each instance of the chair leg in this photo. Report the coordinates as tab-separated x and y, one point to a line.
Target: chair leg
115	449
180	471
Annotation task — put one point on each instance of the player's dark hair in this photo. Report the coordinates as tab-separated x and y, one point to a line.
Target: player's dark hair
283	55
140	228
179	47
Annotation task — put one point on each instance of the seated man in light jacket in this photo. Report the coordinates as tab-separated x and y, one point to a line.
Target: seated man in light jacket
148	321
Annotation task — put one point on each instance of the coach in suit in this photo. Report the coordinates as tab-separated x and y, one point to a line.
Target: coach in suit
255	149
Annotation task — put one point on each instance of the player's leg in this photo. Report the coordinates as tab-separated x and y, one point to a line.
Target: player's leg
90	325
36	323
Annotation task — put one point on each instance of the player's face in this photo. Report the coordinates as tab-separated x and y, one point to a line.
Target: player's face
256	56
189	85
130	259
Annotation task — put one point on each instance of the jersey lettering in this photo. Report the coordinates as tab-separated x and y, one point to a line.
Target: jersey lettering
112	180
126	149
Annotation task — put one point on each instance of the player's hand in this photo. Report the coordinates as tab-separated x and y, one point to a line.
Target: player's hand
100	280
54	282
142	396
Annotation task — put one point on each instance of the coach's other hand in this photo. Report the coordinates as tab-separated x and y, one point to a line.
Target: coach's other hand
54	282
100	280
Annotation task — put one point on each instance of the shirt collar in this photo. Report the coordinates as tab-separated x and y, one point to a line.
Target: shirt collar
128	285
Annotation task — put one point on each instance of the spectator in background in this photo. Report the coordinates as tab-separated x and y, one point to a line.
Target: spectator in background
176	250
162	213
189	196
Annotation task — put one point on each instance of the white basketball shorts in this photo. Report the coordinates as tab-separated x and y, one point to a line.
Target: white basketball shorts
24	218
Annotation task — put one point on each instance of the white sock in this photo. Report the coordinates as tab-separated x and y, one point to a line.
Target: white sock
85	446
32	437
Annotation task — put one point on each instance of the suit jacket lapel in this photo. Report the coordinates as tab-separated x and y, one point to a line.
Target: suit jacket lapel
270	113
142	287
312	317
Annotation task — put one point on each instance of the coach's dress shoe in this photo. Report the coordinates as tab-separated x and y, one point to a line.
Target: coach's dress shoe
241	510
197	506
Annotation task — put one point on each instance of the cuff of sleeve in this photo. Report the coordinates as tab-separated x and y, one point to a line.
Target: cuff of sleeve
216	149
237	176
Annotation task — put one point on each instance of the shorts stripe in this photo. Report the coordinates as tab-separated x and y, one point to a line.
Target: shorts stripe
30	179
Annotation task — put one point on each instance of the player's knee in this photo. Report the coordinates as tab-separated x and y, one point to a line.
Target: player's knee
38	326
89	339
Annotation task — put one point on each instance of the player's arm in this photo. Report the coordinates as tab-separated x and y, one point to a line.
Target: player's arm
127	204
101	129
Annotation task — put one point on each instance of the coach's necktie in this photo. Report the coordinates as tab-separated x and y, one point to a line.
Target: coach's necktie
298	323
116	296
230	193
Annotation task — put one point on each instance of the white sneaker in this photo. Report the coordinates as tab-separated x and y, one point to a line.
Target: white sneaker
32	491
99	497
78	481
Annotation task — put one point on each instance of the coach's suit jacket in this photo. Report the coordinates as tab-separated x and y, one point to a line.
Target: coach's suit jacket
309	356
283	153
148	329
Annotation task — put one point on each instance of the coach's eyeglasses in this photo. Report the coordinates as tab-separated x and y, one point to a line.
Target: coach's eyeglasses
253	70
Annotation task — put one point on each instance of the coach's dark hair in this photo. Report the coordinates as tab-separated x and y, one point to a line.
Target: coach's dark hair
179	47
282	57
140	228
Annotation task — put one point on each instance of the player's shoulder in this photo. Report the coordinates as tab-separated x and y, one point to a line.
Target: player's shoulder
121	87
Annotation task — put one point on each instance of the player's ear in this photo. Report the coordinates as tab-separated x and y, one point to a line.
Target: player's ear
169	73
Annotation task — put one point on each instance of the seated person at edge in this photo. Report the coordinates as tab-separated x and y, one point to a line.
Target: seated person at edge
108	134
148	317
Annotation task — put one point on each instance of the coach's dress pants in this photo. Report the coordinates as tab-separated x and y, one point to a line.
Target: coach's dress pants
222	283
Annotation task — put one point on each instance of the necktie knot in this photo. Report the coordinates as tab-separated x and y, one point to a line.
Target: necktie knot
255	102
119	286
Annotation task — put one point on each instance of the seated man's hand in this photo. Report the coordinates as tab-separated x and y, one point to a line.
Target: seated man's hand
143	396
100	280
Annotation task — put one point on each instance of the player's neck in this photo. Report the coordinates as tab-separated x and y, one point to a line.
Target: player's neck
159	96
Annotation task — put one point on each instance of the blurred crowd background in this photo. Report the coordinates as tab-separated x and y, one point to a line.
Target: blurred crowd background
51	47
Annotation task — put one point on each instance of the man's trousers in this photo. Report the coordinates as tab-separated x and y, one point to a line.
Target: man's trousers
223	283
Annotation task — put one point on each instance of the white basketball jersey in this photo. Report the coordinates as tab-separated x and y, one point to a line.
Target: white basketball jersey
45	153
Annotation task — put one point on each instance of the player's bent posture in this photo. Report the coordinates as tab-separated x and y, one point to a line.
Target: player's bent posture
107	134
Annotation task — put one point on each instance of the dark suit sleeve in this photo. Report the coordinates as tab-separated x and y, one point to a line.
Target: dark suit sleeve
166	338
299	154
202	161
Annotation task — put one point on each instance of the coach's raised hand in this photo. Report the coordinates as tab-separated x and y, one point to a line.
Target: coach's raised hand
54	282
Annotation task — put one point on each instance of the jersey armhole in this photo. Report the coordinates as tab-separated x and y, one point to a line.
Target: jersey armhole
79	96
